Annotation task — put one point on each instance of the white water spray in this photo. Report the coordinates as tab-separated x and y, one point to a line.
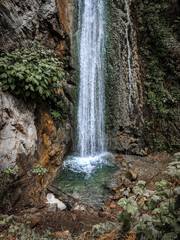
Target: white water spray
91	136
91	89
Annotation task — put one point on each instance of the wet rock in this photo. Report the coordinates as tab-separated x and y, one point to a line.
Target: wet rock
125	123
132	175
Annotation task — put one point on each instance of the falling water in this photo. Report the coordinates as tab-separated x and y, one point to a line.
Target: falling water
129	53
91	94
91	137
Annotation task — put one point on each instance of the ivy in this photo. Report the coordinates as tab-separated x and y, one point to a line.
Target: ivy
32	73
153	214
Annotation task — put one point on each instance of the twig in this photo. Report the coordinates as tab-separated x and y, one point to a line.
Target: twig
155	175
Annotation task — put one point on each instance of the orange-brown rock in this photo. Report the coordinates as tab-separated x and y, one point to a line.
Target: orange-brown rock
109	236
119	158
113	205
52	145
124	164
65	13
64	235
132	175
102	214
47	140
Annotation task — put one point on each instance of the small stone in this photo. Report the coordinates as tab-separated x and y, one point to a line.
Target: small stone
124	164
132	175
113	205
62	235
80	207
54	201
119	157
102	214
33	222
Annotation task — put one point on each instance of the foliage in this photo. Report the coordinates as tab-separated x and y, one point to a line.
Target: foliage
13	170
11	229
32	73
7	177
56	114
39	170
153	213
158	24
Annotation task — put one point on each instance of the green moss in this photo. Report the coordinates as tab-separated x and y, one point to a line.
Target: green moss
155	25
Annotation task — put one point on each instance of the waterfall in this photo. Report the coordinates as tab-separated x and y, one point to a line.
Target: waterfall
129	54
91	131
91	89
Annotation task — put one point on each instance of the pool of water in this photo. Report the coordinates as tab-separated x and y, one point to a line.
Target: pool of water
88	187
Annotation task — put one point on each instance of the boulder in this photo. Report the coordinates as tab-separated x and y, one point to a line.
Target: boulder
132	175
52	201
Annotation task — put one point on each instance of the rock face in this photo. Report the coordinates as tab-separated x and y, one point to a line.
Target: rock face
28	134
124	98
18	134
22	22
52	146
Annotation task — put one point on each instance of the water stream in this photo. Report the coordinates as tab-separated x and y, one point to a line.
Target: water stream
131	79
85	173
91	151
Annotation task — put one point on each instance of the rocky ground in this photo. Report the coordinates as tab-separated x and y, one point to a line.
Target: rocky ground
41	222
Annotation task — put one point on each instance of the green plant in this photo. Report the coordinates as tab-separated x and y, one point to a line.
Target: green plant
31	73
13	170
157	25
39	170
5	221
153	213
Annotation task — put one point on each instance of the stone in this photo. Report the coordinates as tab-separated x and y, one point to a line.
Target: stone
28	135
132	175
119	158
54	201
22	22
32	222
64	235
18	134
79	207
113	205
103	214
109	236
124	164
125	121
